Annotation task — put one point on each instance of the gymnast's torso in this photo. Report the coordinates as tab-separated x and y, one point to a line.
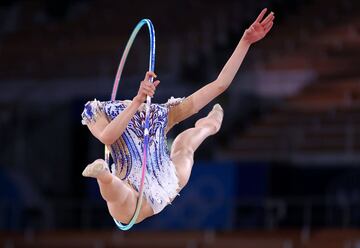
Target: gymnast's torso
161	183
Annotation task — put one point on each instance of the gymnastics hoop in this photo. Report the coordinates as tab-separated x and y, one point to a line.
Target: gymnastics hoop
147	109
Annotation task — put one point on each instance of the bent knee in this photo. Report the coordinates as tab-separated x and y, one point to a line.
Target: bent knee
124	211
182	153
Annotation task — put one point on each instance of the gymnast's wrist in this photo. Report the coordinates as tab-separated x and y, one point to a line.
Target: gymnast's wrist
138	100
245	42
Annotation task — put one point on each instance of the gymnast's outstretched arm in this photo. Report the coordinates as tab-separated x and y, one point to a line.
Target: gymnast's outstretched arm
107	132
255	32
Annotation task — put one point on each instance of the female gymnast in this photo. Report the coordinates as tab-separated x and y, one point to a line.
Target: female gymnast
119	125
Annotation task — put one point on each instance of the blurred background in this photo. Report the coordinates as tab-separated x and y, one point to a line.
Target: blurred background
282	172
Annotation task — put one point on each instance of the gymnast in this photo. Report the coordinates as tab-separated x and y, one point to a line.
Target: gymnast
119	125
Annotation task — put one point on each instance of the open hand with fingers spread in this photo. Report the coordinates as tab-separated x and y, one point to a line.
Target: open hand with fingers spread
146	87
259	28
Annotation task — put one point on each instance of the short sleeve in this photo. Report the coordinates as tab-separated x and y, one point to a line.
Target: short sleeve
92	110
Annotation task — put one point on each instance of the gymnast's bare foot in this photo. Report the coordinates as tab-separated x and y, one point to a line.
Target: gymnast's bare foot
95	169
213	120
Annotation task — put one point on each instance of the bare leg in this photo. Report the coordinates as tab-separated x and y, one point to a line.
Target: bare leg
112	188
120	197
186	143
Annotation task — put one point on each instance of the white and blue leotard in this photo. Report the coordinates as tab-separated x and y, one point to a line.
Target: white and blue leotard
161	182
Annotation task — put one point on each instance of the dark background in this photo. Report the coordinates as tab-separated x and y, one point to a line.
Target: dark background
286	160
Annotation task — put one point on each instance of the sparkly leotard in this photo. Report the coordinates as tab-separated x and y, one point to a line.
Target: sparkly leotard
161	182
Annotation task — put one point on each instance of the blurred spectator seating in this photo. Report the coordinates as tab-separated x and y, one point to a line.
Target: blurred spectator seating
323	119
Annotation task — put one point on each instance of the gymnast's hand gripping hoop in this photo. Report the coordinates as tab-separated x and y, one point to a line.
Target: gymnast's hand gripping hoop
147	108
